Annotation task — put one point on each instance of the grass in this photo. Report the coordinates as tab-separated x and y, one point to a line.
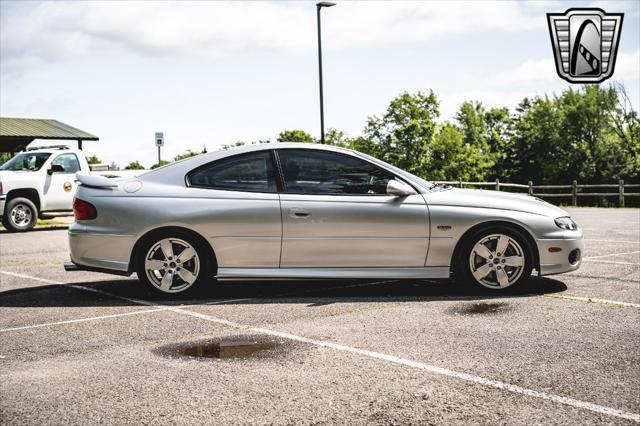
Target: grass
50	222
47	223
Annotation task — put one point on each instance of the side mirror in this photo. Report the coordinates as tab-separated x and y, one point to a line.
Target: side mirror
399	189
55	168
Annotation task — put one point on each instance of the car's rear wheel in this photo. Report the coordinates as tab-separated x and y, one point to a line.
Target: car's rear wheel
496	258
20	215
173	263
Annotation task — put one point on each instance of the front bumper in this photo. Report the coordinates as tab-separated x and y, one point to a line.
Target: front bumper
3	201
556	255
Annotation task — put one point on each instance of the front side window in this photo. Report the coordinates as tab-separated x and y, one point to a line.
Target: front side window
308	171
68	161
252	172
27	161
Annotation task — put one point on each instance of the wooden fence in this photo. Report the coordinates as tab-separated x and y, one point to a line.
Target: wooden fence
576	189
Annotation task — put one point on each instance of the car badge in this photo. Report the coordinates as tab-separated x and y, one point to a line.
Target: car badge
585	43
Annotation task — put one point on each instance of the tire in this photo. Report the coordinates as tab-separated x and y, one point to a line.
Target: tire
20	215
184	268
495	258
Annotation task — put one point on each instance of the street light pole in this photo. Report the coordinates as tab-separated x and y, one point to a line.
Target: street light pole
318	7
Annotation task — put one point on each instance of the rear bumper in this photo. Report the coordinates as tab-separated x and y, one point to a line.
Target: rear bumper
555	255
71	266
101	252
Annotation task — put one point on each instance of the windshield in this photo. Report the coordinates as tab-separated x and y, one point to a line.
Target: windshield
28	161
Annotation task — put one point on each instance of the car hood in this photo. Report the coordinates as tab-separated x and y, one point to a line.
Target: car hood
494	200
10	175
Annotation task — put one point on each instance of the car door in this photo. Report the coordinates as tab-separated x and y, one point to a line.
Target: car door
238	209
59	187
336	213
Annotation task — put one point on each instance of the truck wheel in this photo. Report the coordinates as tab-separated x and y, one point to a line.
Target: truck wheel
20	215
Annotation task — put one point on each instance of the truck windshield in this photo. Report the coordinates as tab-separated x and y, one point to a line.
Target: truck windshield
27	161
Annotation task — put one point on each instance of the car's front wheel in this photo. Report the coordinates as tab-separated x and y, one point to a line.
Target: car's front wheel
173	263
20	215
496	258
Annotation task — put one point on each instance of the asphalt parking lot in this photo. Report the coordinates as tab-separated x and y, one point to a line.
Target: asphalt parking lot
92	348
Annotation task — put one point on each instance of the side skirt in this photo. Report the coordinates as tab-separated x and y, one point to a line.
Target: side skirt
332	273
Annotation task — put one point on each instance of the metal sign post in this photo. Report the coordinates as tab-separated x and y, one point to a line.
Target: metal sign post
159	143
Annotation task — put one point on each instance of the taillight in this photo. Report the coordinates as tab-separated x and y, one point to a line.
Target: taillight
84	210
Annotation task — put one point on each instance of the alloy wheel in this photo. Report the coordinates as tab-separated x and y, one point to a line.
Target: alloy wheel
172	265
497	261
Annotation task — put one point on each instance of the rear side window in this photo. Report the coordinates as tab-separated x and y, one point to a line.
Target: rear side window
253	172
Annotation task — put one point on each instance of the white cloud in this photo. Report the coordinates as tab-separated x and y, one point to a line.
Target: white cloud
628	66
54	30
533	71
536	77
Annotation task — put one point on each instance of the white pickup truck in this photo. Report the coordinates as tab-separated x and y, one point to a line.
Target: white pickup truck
41	183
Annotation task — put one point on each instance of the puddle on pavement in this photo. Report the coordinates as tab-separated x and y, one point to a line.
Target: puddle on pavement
481	308
225	348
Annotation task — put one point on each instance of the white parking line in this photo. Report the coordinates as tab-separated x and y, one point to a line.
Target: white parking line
609	261
613	241
418	365
594	300
136	301
600	230
388	358
48	324
29	277
101	317
612	254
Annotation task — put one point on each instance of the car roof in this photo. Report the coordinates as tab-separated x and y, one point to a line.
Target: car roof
175	173
178	169
50	151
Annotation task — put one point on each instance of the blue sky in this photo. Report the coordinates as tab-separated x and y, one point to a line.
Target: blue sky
212	73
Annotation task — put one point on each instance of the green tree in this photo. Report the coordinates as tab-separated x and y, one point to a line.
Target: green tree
625	123
473	123
585	120
4	157
499	125
135	165
471	118
403	134
189	154
233	145
453	158
574	135
160	164
295	136
336	138
93	160
114	166
365	145
536	136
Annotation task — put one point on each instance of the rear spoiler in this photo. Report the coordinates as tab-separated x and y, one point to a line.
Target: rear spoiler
95	181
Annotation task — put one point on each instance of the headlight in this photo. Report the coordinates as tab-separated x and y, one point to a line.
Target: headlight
566	223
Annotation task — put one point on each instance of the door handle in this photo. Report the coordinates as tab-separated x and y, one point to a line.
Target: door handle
299	213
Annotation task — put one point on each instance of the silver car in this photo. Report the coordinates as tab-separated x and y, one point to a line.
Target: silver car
298	211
